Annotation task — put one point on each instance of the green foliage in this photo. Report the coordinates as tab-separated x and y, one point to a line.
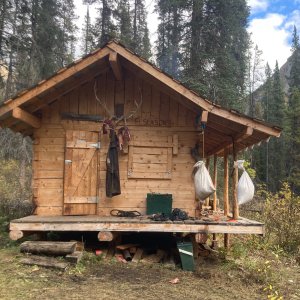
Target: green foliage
171	16
15	199
214	50
249	169
282	218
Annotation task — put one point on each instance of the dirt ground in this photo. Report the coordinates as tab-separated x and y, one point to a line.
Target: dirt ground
95	278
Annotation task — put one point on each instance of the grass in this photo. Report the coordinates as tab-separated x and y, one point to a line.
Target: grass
250	270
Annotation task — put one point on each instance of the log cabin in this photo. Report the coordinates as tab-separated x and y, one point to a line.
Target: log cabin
64	116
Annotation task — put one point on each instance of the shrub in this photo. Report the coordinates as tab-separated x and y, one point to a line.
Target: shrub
281	216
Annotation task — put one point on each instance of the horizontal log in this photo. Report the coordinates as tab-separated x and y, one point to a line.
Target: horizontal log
106	236
49	248
16	235
44	261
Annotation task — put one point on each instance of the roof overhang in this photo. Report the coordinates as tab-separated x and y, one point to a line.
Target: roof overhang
224	127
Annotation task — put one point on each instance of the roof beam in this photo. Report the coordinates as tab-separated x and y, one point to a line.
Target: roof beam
193	97
115	65
54	95
45	85
26	117
237	139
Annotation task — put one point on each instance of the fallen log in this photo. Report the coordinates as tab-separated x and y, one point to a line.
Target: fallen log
48	248
44	261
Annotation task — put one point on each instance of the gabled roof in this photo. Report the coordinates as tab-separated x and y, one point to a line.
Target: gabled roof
244	130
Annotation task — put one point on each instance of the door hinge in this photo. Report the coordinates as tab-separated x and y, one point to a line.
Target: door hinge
68	161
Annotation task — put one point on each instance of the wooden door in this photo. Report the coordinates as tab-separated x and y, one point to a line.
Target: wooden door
81	173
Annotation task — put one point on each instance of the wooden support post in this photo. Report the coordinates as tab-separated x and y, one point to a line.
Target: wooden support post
26	117
215	193
215	181
115	65
234	187
195	246
207	166
16	234
225	195
226	240
106	236
226	185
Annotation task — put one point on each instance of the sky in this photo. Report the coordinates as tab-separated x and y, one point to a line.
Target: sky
270	25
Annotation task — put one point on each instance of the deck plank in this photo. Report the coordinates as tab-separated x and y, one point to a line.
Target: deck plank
139	224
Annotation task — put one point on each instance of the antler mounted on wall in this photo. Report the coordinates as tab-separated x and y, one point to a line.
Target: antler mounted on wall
137	106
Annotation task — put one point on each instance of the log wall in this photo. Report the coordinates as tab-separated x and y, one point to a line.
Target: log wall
159	119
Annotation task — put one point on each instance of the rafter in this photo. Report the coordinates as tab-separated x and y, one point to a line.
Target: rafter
46	85
237	139
193	97
26	117
115	65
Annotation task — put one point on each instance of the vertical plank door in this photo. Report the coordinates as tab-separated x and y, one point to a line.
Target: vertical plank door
80	176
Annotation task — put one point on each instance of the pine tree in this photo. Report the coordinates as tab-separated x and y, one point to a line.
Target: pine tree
215	47
196	60
293	117
88	43
261	160
125	31
66	37
276	147
170	35
140	41
105	29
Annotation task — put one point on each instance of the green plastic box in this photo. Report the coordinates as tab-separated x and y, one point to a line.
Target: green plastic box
159	203
186	255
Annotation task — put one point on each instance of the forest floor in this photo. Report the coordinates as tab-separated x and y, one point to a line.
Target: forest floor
250	276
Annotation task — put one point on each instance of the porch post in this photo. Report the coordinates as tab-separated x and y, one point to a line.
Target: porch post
234	186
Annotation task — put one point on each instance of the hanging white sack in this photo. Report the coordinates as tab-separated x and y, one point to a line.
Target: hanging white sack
204	186
245	188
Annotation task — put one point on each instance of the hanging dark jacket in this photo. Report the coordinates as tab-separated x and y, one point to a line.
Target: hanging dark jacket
112	167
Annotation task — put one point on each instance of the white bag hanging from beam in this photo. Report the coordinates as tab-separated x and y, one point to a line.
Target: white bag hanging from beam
245	188
204	186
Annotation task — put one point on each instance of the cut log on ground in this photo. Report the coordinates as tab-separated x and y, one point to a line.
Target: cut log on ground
126	246
48	248
138	255
44	261
75	257
155	258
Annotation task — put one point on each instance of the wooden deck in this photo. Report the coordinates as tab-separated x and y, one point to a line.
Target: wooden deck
139	224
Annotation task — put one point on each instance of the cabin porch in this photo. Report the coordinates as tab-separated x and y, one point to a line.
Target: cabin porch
34	224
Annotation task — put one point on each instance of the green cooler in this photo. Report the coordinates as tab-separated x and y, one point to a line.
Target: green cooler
186	255
159	203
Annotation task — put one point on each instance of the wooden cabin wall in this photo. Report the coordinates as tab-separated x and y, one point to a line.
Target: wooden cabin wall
159	118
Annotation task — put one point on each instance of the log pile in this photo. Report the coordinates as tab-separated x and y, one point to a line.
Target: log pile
71	251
